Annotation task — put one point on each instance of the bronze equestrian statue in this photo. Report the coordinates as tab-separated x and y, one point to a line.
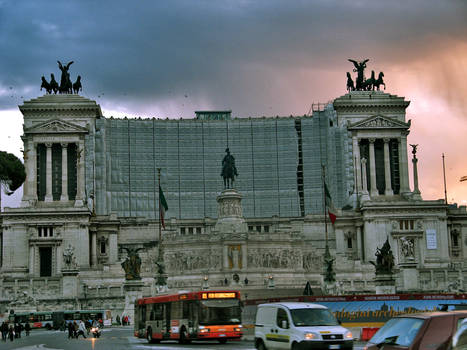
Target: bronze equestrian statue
229	171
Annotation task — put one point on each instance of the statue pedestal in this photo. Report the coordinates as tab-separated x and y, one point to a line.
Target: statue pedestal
133	290
230	213
70	283
385	284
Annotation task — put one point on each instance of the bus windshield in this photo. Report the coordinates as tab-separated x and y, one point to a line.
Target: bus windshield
225	311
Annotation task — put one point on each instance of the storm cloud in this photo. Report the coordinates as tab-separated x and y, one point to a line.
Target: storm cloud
169	58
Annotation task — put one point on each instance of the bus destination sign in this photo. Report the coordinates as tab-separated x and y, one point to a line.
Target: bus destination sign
218	295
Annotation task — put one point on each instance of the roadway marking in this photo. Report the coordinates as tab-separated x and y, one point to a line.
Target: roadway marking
35	347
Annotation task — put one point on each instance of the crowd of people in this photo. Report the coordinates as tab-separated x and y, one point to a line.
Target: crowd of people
13	330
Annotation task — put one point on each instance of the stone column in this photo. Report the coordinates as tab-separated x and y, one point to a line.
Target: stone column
30	164
416	191
79	202
403	166
31	260
365	196
93	248
59	259
48	174
225	252
356	161
64	196
373	189
387	169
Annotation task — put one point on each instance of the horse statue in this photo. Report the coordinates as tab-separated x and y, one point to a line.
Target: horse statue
45	84
53	83
77	85
229	171
368	84
350	84
384	259
379	81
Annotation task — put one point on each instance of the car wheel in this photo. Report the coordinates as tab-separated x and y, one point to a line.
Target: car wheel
295	346
48	326
222	341
261	346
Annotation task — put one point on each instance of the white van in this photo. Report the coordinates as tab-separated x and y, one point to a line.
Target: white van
299	326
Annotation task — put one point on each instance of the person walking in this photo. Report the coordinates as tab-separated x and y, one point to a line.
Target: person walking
11	332
70	330
4	329
118	320
27	328
75	329
81	330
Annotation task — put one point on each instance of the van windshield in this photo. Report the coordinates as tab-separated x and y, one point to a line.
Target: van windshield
313	317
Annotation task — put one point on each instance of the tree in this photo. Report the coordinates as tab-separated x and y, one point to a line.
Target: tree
12	173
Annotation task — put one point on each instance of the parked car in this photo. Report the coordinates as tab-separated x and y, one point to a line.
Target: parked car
299	326
459	340
422	331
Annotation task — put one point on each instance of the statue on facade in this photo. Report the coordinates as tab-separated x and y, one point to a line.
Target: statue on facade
229	171
350	83
77	85
408	247
65	82
45	85
53	84
414	149
68	257
384	259
359	68
329	274
132	264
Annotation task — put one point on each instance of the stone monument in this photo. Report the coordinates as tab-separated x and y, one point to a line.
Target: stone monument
133	286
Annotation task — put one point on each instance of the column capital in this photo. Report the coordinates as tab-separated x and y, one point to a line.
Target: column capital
64	144
372	140
363	160
386	140
48	144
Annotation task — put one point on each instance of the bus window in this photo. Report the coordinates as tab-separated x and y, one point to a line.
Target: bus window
158	312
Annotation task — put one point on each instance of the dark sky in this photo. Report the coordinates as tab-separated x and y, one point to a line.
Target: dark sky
169	58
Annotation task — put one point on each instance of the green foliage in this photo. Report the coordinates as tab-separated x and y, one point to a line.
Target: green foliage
12	173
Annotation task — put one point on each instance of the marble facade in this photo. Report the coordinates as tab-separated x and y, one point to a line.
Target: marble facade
60	251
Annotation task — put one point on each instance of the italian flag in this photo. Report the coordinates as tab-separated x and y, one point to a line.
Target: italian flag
329	205
163	207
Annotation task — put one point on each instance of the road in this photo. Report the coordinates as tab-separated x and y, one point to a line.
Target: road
115	338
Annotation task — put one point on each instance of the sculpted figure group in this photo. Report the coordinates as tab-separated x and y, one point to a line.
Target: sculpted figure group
66	86
363	84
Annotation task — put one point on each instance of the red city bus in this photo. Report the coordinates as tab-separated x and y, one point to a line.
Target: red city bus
206	315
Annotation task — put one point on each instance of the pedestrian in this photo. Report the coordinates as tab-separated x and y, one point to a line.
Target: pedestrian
27	328
4	329
70	330
81	330
18	328
11	332
118	320
75	329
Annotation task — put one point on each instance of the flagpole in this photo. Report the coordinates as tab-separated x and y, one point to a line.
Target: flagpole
160	223
444	176
324	202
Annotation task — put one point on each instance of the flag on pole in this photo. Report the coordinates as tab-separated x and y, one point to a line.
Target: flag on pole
163	207
330	205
